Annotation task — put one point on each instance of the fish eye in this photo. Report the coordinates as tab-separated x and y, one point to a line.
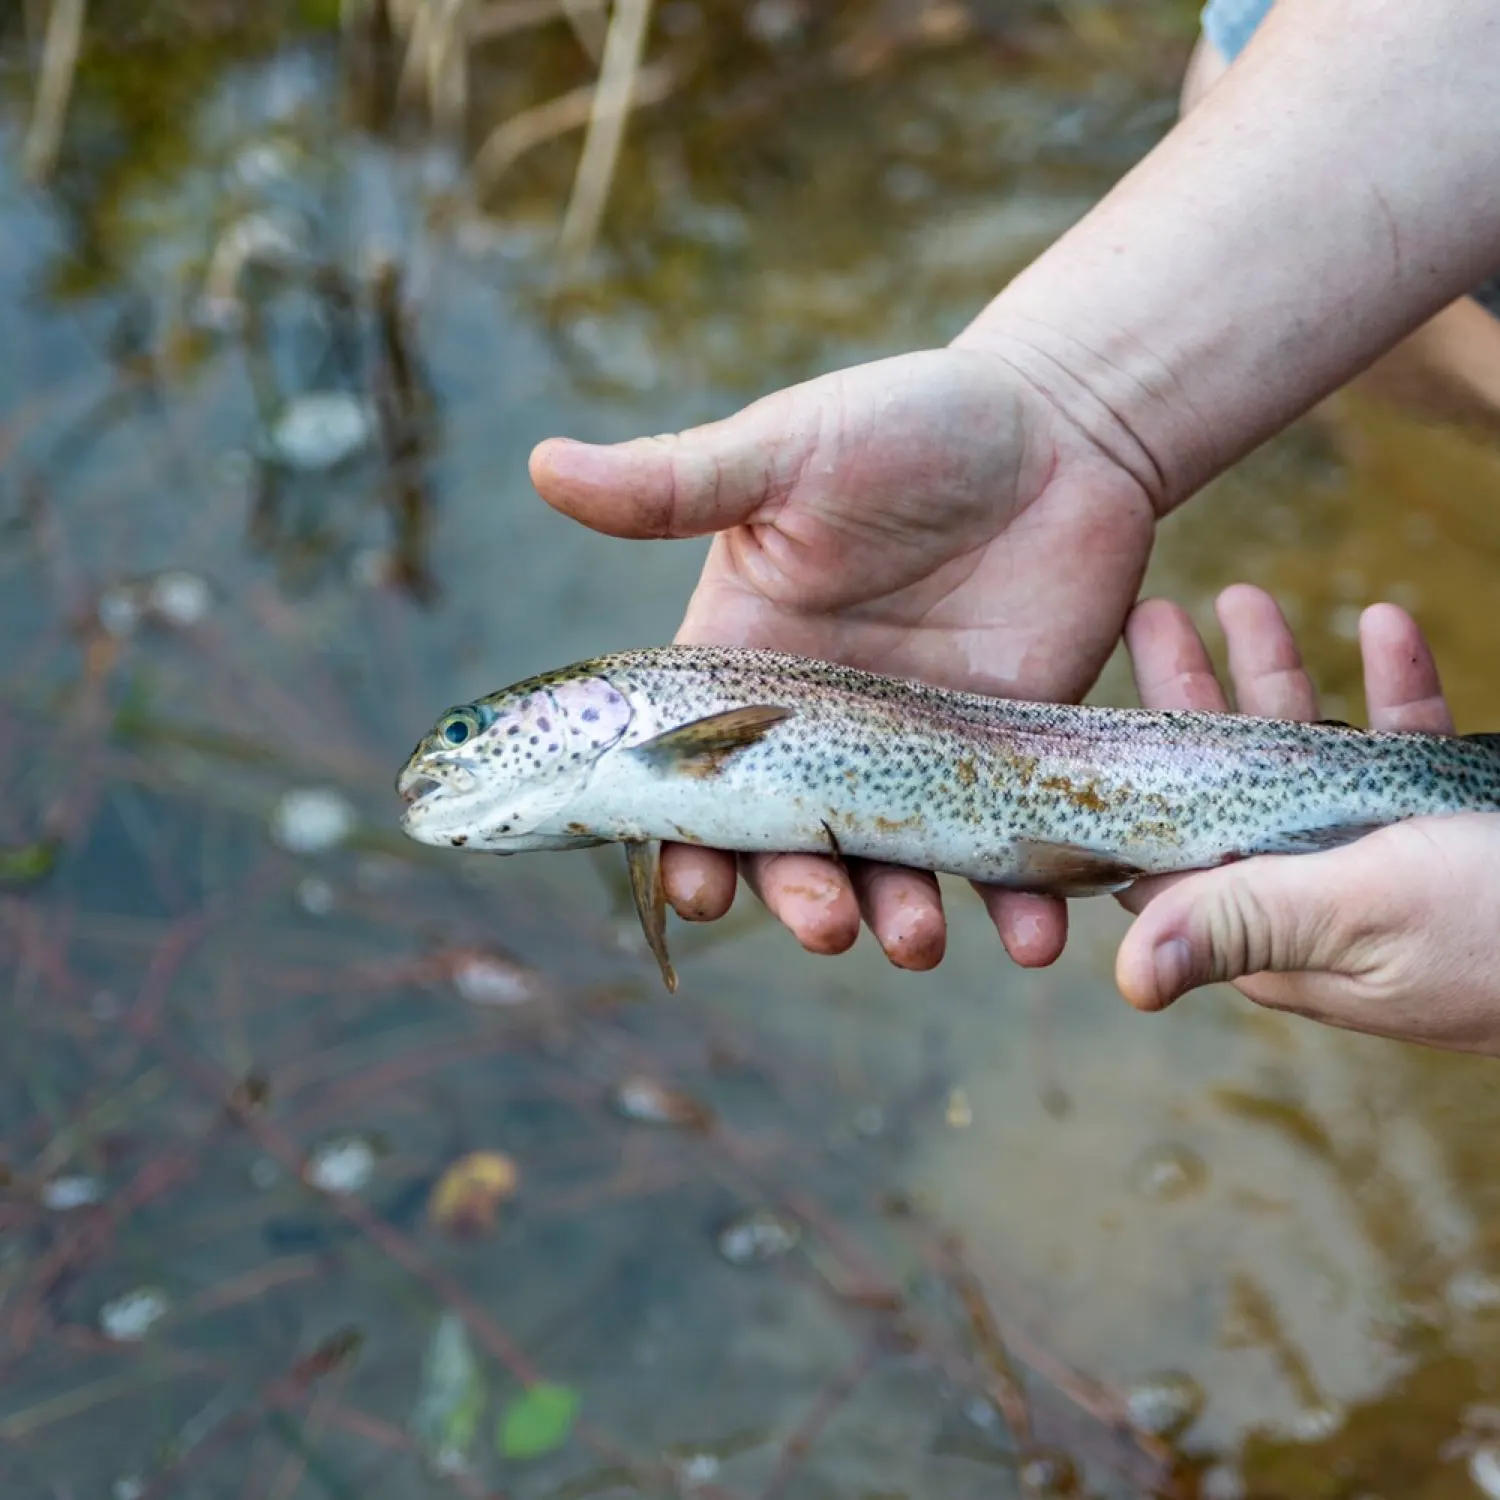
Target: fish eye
458	727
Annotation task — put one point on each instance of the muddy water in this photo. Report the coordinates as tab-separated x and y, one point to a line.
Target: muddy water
1301	1222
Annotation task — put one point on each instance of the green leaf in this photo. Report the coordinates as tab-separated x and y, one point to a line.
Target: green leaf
29	863
537	1421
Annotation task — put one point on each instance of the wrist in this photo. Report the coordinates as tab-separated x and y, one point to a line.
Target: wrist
1102	400
1326	198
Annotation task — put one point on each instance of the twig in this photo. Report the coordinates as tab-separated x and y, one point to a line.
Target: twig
1006	1388
513	138
824	1409
601	147
59	63
209	1078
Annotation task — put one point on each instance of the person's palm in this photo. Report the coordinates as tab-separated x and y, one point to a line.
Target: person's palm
929	516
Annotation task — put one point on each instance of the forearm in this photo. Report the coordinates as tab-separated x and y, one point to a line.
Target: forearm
1337	187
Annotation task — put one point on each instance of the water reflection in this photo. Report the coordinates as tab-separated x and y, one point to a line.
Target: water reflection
1017	1230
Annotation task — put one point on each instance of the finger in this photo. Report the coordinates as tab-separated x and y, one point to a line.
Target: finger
1402	687
1280	915
904	909
1034	929
1135	898
1265	666
686	483
699	882
810	894
1169	661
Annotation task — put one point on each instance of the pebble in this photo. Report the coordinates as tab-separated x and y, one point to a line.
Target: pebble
648	1102
1314	1423
128	1317
1164	1406
1169	1173
775	22
756	1237
104	1005
1484	1470
980	1410
76	1191
127	1487
315	896
265	1173
1221	1483
1048	1473
320	430
342	1165
700	1468
483	979
178	597
1475	1291
309	820
120	609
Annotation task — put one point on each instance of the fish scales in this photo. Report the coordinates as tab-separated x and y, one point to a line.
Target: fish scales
759	751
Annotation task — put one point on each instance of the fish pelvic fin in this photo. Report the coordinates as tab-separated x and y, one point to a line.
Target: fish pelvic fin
643	861
701	747
1062	869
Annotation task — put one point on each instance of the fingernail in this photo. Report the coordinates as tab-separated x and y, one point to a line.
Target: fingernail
1173	963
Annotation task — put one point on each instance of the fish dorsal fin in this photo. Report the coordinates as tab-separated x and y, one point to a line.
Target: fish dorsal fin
1337	724
1062	869
1485	741
701	747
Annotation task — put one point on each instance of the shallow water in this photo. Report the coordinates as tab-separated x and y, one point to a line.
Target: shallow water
1299	1221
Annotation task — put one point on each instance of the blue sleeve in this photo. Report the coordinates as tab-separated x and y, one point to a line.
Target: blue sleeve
1229	24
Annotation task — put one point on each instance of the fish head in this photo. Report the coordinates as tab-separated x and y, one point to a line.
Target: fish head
499	773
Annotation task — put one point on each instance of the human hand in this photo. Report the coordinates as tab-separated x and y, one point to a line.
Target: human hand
932	516
1397	934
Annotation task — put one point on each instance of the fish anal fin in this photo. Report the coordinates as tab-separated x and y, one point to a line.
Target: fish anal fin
643	861
1062	869
701	747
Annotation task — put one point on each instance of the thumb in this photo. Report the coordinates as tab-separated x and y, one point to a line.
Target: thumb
1274	914
686	483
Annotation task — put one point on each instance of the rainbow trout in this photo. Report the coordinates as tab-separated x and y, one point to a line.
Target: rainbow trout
755	751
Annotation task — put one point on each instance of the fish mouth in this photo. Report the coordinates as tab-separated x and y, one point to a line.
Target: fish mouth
417	782
413	786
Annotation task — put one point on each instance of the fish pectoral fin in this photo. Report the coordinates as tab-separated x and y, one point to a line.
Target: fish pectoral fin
701	747
1314	840
643	860
1062	869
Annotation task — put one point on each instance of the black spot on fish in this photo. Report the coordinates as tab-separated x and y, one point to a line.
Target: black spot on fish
545	725
590	715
